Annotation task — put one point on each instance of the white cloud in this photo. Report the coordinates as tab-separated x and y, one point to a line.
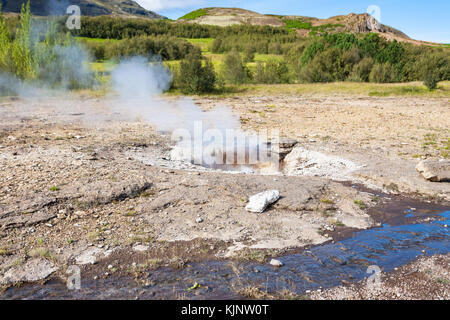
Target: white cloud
157	5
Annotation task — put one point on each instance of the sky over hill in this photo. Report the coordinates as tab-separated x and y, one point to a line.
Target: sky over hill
424	20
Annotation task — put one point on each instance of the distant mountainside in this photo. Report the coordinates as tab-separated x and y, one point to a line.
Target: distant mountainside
124	8
354	23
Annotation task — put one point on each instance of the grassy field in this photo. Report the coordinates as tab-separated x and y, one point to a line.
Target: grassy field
94	39
353	88
344	88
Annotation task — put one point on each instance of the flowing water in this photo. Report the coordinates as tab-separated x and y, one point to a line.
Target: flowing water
322	266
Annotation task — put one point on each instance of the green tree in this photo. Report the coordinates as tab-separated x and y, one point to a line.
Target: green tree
21	49
5	45
233	69
382	73
195	76
249	54
361	71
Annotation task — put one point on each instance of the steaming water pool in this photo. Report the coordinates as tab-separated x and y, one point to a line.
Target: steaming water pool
322	266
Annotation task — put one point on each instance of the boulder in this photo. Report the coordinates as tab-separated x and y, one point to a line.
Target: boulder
435	170
259	202
276	263
32	270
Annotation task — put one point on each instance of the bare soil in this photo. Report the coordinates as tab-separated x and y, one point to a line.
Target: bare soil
425	279
70	187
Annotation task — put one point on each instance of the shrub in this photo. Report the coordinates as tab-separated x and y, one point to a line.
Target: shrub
430	80
195	77
249	54
273	71
233	69
361	71
382	73
313	73
435	68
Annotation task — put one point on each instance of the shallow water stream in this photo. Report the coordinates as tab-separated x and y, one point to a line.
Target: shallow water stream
323	266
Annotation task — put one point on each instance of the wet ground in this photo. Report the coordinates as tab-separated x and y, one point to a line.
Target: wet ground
318	267
103	181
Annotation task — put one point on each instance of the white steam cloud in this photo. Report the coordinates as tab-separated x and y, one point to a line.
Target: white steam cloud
205	135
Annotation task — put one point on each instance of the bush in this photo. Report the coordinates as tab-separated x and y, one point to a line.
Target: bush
382	73
195	77
431	79
273	71
249	54
313	73
233	70
435	68
361	71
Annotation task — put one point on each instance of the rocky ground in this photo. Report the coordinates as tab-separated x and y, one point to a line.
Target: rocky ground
425	279
386	136
76	187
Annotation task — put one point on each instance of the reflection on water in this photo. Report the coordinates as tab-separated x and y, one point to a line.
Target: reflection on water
319	267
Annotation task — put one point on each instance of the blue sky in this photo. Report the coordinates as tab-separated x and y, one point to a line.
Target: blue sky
422	20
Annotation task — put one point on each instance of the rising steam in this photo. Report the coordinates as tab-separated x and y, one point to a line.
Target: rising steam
203	137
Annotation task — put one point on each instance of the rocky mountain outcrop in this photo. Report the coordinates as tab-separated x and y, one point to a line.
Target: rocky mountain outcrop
355	23
126	8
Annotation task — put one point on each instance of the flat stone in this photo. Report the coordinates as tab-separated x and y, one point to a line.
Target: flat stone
32	270
435	170
89	256
259	202
276	263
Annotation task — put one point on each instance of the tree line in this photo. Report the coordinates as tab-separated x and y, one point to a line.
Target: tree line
105	27
325	58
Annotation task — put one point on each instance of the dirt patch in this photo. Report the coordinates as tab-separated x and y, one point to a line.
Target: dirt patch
68	183
425	279
385	137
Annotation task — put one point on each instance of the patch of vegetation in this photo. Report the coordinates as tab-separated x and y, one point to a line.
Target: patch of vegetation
4	252
339	223
253	255
297	24
443	281
194	14
94	235
131	213
41	252
27	54
55	188
326	201
195	75
392	187
360	204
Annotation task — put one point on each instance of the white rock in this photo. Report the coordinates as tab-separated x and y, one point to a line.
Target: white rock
276	263
32	270
199	220
89	256
140	248
259	202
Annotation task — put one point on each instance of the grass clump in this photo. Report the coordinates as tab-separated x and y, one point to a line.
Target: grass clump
327	201
41	252
360	204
